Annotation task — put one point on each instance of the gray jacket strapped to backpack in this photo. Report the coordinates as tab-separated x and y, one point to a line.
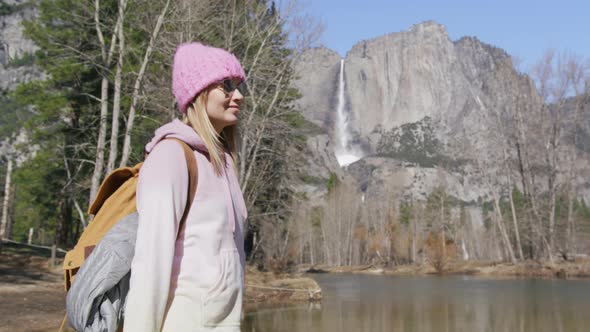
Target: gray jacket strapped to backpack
108	269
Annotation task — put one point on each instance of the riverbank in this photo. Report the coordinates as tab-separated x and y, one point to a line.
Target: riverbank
526	269
279	288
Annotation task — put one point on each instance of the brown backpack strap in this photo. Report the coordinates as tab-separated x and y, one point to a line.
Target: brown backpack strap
193	180
63	323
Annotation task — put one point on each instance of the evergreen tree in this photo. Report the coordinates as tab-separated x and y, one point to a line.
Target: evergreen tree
66	116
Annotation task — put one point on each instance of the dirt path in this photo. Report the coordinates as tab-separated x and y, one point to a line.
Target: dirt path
31	295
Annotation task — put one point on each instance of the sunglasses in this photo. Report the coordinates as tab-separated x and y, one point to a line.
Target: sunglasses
229	86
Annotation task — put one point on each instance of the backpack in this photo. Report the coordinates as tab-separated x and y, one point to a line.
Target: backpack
113	207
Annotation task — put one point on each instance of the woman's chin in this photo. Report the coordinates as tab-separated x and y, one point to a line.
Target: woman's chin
230	122
231	119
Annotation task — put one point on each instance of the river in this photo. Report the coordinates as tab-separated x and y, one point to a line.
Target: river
448	304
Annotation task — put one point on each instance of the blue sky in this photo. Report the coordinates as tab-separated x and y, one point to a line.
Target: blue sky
524	28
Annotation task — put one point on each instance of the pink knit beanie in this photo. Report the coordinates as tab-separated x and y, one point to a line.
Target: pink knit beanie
196	66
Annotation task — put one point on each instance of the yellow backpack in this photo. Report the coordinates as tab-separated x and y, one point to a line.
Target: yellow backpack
114	201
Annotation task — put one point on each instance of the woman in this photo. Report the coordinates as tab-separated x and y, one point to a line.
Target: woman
192	280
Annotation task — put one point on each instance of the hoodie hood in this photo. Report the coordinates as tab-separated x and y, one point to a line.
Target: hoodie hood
177	129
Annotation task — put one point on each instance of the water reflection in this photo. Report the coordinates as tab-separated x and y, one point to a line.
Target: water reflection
382	303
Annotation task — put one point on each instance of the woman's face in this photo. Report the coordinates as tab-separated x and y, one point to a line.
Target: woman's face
223	106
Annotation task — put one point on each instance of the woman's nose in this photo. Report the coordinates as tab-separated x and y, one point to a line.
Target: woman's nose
237	95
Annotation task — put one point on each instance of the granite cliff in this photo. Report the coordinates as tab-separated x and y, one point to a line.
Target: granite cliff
15	50
413	99
16	66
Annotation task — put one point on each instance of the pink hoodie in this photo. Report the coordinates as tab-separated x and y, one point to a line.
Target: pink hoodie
195	282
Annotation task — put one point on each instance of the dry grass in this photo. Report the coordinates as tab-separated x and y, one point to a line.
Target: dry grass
268	287
531	269
579	269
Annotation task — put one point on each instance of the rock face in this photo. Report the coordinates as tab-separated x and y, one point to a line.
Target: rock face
404	77
16	65
401	78
410	97
12	40
15	49
318	79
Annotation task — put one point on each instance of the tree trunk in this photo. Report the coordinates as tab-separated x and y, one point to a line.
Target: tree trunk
413	247
521	167
464	248
497	244
5	226
552	207
551	157
515	224
311	255
80	214
569	241
65	222
106	56
325	240
537	237
502	229
583	97
137	85
442	224
117	92
350	239
100	144
338	218
444	247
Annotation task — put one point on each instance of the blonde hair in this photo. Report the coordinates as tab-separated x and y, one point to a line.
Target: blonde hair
196	117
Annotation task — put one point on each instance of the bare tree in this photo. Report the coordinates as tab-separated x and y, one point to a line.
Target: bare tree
580	82
555	77
117	87
138	83
118	46
5	224
340	216
106	52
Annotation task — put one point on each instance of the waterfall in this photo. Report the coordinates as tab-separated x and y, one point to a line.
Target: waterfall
344	152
